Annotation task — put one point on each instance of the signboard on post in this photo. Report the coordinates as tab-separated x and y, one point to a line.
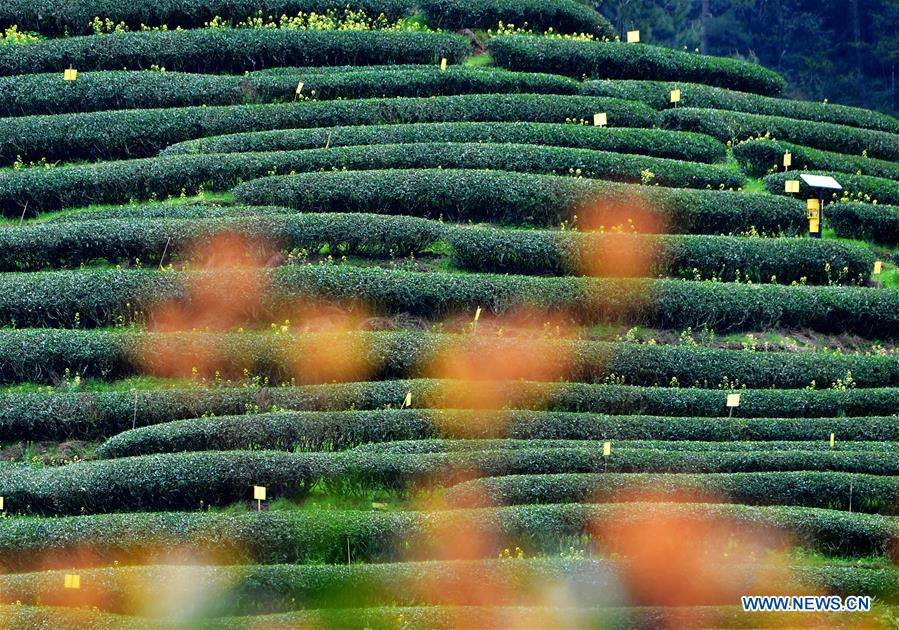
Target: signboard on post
633	37
600	120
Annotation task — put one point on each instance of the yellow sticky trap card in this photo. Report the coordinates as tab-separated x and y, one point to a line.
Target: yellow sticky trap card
788	159
633	37
299	88
70	74
813	208
408	401
606	449
443	64
675	96
833	440
733	400
1	504
72	580
791	186
378	506
878	269
477	314
600	120
259	493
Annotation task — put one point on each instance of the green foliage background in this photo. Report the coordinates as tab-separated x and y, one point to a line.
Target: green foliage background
844	50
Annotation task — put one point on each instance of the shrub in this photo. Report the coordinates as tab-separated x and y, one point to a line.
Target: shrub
188	480
855	188
444	445
302	536
737	126
174	211
628	255
315	431
105	297
561	16
865	221
657	94
760	157
73	243
69	244
515	198
230	51
617	60
41	356
654	142
135	133
829	490
61	416
255	590
60	17
97	91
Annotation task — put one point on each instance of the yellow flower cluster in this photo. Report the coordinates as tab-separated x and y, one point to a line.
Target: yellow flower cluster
511	29
13	35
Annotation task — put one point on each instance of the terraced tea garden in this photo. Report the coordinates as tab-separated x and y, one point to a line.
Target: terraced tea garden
433	314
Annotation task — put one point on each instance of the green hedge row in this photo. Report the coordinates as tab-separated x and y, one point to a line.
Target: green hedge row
136	133
627	255
616	60
522	158
43	355
339	430
73	243
865	221
69	244
508	198
98	91
525	158
855	187
186	481
446	445
231	51
65	17
760	157
870	493
458	195
656	142
164	210
561	16
726	125
96	415
104	297
657	94
302	536
262	590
